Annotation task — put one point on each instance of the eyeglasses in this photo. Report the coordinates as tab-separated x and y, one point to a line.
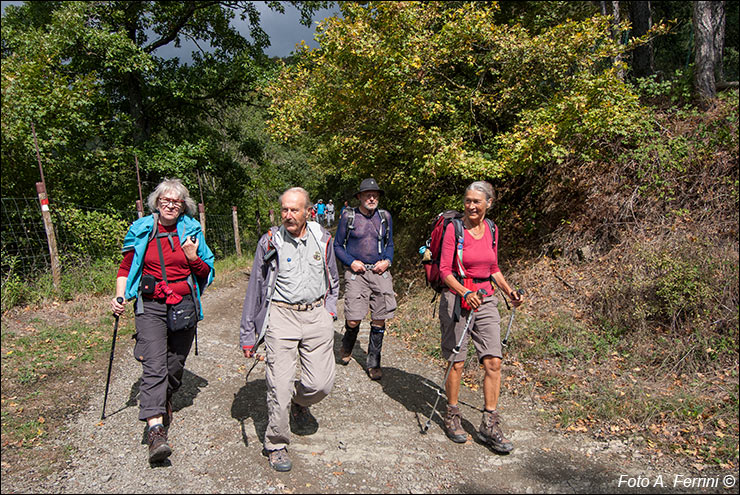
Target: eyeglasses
170	202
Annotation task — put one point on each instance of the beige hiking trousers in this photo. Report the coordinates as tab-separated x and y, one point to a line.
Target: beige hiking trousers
308	335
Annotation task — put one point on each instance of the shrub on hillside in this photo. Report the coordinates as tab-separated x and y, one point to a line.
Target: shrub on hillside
86	235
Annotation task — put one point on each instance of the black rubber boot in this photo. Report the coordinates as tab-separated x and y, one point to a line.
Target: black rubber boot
374	347
348	343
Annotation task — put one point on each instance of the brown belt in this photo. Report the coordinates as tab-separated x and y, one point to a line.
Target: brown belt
300	307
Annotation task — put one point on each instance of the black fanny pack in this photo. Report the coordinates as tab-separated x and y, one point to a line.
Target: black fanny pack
181	315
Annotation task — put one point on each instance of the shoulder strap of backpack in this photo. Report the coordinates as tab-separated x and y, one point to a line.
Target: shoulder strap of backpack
492	226
459	241
350	223
384	215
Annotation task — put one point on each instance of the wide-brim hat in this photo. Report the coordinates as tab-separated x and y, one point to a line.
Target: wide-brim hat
369	185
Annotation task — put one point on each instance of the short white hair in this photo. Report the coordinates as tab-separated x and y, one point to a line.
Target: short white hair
297	190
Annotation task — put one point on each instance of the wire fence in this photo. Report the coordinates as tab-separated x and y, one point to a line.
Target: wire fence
85	235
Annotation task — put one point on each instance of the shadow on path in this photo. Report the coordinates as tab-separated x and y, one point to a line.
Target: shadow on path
249	402
414	392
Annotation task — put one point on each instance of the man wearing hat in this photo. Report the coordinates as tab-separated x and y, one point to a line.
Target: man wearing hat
364	243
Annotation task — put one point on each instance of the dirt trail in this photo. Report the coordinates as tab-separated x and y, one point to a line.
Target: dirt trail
368	440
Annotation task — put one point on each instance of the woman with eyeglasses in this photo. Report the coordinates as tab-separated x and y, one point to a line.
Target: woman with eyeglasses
166	266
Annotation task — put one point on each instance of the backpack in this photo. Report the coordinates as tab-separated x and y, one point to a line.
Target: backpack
432	248
382	235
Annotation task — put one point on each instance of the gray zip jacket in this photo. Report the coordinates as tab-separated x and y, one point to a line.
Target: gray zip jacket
261	286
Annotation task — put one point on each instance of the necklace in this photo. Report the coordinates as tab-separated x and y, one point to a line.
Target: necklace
475	230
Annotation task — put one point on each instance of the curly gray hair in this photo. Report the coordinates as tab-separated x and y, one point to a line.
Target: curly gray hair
175	189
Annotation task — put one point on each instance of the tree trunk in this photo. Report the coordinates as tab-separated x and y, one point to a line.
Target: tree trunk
642	56
617	35
719	41
706	21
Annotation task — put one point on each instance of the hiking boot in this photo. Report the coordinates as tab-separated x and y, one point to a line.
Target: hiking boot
159	450
279	460
304	423
345	356
375	373
490	433
453	425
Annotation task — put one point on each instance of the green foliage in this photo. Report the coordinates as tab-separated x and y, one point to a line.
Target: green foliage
676	89
90	234
79	277
14	291
564	338
677	287
89	76
428	97
681	284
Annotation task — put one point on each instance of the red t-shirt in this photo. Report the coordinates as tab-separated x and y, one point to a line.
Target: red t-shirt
480	258
177	266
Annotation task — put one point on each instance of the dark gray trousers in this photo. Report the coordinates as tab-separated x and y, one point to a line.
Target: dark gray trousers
162	354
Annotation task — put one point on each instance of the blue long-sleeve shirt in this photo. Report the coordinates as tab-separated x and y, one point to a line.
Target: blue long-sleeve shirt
362	243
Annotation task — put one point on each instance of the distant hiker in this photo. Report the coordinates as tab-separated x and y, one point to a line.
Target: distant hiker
272	217
478	253
320	211
291	302
364	243
344	206
329	213
166	266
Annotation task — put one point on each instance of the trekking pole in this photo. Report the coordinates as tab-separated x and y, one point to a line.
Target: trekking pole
505	342
456	351
119	300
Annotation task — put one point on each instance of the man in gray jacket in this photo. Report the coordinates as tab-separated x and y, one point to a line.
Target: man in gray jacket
291	303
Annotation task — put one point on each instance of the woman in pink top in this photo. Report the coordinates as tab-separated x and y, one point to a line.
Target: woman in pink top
479	259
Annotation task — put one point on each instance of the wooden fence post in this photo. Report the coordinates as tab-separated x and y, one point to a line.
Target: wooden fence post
236	231
202	211
139	208
50	236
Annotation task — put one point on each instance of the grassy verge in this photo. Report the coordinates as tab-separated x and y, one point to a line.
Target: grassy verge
664	393
52	353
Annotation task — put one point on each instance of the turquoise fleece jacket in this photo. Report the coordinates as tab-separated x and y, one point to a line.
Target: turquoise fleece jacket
137	239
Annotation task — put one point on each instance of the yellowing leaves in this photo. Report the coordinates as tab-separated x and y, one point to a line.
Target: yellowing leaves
448	94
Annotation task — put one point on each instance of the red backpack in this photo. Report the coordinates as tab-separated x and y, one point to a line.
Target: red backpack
432	248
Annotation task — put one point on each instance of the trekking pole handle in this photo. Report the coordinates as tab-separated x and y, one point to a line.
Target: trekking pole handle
119	300
521	292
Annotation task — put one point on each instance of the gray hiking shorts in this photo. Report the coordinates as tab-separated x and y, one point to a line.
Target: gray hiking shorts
368	291
484	329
